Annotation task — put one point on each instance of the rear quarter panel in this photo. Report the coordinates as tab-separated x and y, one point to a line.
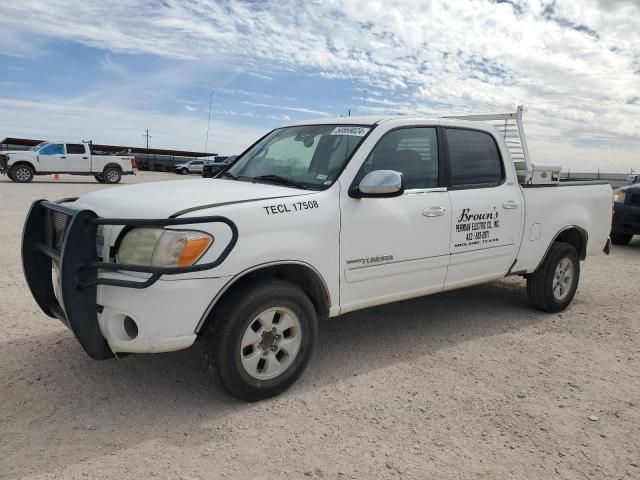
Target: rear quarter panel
98	162
550	210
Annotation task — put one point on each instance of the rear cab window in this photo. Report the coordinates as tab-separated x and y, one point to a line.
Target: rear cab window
474	160
75	148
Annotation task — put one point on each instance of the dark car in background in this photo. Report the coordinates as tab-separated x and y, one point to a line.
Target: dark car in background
210	170
626	214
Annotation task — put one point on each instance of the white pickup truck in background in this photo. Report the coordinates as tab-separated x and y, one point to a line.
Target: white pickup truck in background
314	220
68	158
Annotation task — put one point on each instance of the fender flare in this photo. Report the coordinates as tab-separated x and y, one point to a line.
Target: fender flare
581	254
243	274
112	165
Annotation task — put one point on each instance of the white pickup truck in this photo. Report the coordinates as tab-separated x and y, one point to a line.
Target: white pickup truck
68	158
314	220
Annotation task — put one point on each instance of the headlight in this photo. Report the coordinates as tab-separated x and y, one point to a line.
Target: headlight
619	196
158	247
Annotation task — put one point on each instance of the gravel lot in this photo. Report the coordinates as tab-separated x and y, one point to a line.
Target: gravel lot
466	384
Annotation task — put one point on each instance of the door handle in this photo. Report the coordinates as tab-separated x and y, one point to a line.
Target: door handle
85	158
433	211
510	204
62	156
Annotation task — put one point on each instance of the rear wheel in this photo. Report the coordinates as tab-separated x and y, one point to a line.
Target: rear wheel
111	175
263	339
618	238
22	173
552	287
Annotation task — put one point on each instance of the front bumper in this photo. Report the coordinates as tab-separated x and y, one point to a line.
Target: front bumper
626	218
58	236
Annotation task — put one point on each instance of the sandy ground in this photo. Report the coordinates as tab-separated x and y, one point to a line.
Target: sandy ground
467	384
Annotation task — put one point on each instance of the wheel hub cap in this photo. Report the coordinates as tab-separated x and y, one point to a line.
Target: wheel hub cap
270	343
563	279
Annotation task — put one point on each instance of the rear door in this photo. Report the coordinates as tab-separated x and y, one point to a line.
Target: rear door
196	166
78	160
52	158
486	206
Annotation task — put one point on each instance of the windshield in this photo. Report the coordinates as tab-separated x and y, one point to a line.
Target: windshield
309	156
36	147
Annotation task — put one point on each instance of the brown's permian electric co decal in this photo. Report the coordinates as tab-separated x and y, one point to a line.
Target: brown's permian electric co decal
476	228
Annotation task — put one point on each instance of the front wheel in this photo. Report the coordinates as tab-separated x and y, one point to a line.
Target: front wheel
618	238
21	173
184	171
552	287
263	339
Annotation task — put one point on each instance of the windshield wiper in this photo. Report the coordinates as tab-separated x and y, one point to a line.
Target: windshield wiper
282	180
229	175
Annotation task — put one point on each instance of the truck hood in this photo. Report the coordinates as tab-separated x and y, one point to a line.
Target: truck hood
634	188
16	152
162	199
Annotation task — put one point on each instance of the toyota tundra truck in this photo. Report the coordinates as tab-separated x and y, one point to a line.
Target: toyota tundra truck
314	220
69	158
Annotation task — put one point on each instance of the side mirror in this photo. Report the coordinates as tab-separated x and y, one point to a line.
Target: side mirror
379	184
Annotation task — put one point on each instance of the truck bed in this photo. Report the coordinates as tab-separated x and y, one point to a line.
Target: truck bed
546	215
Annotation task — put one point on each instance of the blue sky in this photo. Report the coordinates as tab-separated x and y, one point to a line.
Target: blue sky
80	69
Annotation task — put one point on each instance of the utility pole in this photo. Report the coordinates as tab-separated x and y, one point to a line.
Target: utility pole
147	136
206	143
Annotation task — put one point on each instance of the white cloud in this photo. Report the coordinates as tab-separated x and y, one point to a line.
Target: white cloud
575	64
284	118
190	108
291	109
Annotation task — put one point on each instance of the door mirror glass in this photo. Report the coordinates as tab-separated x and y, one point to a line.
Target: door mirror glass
381	183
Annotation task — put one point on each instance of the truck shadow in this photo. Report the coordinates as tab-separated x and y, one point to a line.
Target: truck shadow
56	391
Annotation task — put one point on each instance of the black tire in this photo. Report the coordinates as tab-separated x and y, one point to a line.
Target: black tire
111	175
99	178
184	171
21	173
618	238
540	284
236	314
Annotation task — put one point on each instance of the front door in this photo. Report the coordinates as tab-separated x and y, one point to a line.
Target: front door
486	208
52	159
396	248
78	159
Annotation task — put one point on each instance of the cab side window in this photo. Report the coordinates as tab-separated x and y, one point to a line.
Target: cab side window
75	149
474	160
52	149
410	151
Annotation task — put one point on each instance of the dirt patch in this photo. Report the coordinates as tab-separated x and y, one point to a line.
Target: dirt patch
466	384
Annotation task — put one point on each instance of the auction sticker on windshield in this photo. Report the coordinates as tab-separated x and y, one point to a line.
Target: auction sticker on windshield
352	131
